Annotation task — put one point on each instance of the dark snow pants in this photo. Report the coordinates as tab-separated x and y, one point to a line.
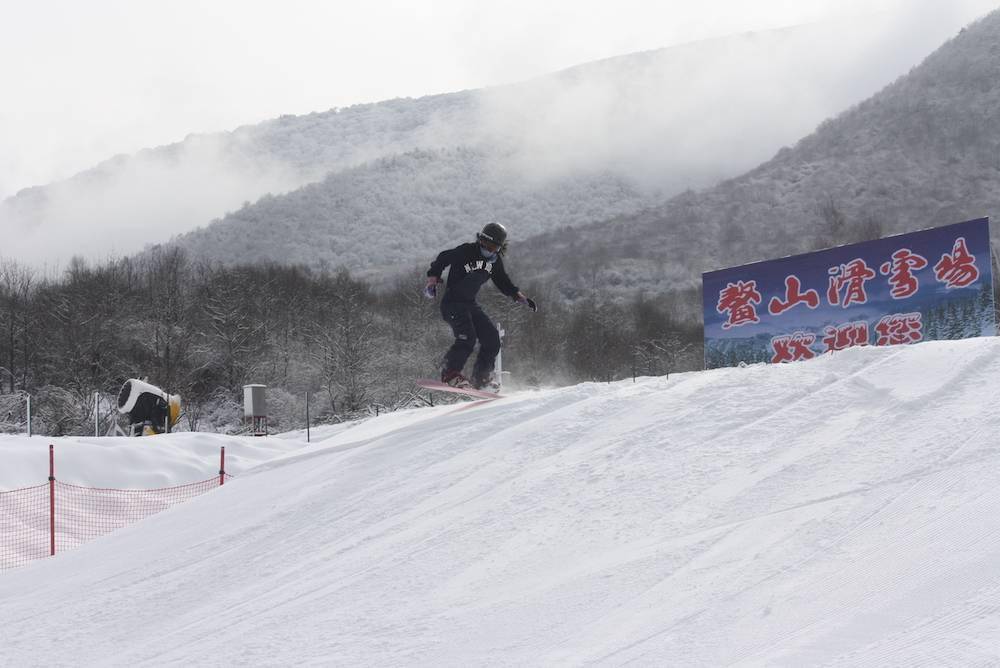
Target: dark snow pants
469	323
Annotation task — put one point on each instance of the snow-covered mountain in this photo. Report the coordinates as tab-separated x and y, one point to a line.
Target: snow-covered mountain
836	511
682	117
921	153
396	214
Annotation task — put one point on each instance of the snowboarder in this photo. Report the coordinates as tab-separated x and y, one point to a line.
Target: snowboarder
472	264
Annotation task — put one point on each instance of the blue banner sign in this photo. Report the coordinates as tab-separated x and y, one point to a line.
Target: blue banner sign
932	284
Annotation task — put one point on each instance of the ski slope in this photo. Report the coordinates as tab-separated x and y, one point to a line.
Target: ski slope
842	511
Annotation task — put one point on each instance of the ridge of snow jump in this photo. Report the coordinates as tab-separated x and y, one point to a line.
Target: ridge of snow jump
438	386
835	511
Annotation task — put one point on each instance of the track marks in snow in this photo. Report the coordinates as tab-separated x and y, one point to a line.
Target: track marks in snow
883	498
832	512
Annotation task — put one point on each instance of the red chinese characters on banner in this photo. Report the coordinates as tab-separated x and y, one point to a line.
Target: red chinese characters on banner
793	347
900	272
851	276
958	268
845	336
899	328
793	296
739	301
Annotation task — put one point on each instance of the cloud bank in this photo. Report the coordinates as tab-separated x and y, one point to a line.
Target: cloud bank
687	116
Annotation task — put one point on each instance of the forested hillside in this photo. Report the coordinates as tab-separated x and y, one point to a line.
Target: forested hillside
204	330
395	214
132	201
921	153
664	120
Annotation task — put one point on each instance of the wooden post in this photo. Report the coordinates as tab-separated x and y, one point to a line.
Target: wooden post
307	417
222	466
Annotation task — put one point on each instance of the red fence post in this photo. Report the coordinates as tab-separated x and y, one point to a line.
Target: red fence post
52	500
222	466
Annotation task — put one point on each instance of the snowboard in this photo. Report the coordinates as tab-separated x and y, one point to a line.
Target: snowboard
429	384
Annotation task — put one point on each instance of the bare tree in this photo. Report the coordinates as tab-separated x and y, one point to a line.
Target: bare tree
16	291
834	223
344	344
233	337
164	296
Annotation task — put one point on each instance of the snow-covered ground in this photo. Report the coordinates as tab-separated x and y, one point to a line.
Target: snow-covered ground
159	461
840	511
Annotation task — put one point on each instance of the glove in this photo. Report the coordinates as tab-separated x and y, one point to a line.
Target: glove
431	290
527	301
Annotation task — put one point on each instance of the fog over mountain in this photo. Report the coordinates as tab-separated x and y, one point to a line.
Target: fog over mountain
660	121
922	153
395	214
688	116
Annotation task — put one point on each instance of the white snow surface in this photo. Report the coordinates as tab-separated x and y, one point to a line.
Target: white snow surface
841	511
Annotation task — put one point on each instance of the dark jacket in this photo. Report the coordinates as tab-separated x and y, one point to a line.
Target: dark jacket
469	270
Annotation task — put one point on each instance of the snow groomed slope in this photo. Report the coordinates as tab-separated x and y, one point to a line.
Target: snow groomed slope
840	511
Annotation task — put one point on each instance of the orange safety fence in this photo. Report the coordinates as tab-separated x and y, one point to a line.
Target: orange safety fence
54	517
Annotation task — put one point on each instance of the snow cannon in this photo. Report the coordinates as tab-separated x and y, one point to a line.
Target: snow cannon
150	410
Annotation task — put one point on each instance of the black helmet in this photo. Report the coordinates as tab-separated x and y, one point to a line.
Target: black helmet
493	238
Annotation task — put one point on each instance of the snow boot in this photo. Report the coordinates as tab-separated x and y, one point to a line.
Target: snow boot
454	378
488	383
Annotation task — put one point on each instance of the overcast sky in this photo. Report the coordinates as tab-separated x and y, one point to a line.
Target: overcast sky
83	81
